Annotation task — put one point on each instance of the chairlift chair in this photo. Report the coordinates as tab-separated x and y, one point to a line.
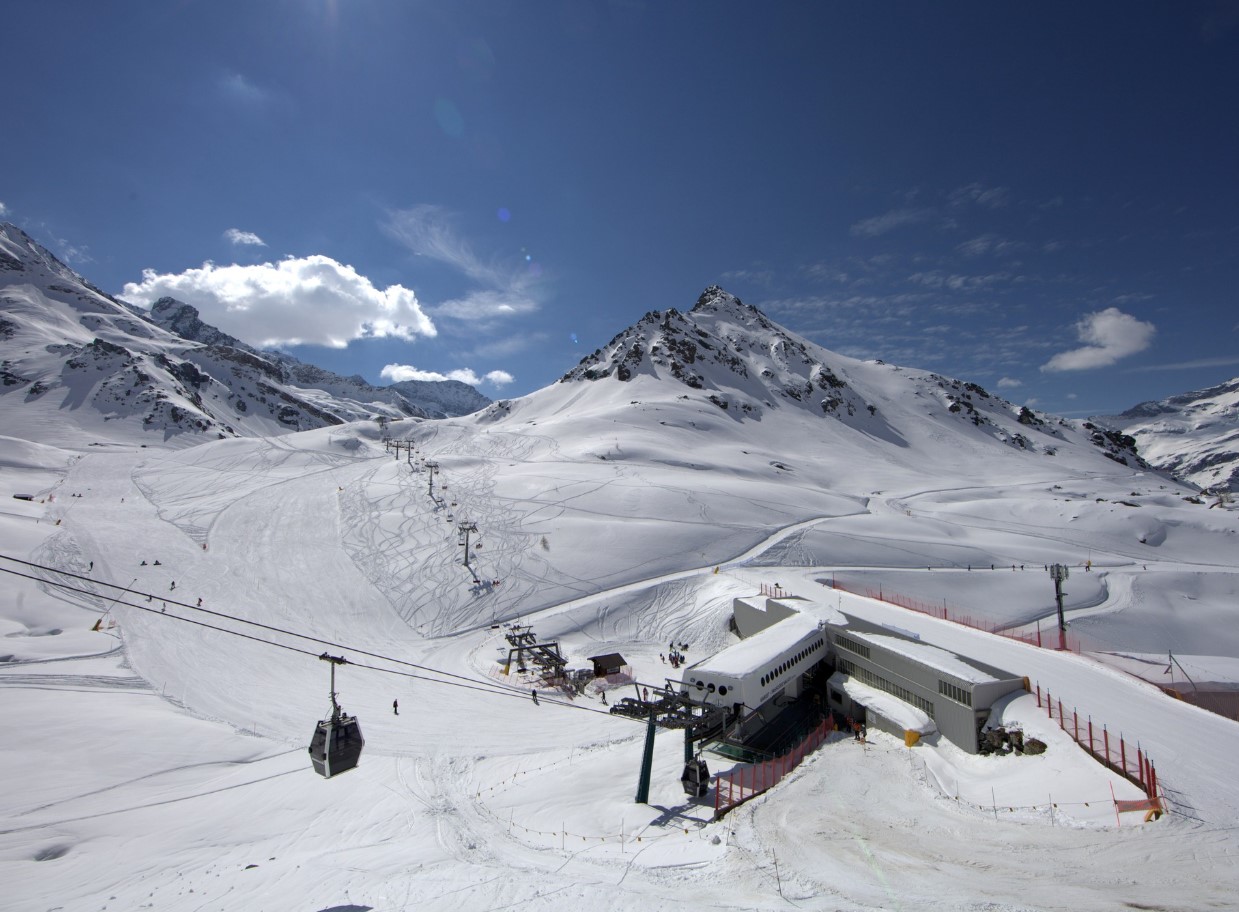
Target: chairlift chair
337	741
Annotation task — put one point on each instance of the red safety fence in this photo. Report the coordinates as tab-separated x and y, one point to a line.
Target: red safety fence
1133	765
1051	638
741	784
1115	753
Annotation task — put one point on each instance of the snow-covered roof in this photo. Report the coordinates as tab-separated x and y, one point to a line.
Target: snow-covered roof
758	650
933	656
904	715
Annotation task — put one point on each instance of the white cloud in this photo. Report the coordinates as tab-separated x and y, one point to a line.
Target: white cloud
298	301
244	238
398	373
988	243
501	292
954	282
1108	335
989	197
4	210
235	86
889	221
498	377
1009	383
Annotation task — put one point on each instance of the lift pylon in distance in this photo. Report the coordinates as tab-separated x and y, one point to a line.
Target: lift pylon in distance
337	741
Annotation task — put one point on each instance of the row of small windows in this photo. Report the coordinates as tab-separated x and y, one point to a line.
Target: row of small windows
787	666
851	645
722	688
848	667
955	692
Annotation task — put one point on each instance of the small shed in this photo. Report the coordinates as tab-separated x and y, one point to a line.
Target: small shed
611	663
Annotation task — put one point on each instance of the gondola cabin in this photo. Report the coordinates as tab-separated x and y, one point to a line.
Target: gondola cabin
337	741
336	745
696	778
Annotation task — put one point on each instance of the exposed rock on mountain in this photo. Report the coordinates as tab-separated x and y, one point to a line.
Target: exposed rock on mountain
731	355
1193	435
66	346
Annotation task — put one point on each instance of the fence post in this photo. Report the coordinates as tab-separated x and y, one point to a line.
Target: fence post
1090	736
1038	683
1075	723
1123	752
1106	734
1061	721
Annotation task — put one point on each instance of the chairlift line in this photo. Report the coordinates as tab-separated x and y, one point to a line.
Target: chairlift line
337	742
240	620
485	687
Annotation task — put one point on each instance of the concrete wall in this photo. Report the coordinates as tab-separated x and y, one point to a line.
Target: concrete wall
755	613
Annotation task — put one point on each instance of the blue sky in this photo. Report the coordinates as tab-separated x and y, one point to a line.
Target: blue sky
1041	198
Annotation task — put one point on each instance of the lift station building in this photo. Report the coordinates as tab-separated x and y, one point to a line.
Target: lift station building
898	683
889	678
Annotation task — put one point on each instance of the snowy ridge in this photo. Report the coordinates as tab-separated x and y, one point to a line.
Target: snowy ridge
1194	435
65	345
730	355
162	764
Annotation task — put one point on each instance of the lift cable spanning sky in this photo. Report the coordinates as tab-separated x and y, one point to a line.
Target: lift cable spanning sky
486	687
668	710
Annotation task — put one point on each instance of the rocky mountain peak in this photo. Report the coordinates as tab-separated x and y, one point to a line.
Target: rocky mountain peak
183	320
728	347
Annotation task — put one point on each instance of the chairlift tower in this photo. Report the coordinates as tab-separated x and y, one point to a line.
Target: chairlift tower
1059	573
432	467
667	707
465	528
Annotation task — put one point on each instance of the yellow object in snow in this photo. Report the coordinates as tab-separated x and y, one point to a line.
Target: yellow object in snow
910	737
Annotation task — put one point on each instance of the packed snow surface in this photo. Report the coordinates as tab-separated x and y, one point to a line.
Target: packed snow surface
756	652
941	659
155	759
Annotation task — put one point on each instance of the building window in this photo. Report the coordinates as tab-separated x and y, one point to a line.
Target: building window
849	667
955	692
851	645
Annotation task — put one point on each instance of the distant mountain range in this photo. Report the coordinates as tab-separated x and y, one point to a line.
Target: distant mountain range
1194	436
66	346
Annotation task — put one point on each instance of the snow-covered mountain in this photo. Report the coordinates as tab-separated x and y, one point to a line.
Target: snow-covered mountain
698	457
724	362
1193	435
421	398
66	345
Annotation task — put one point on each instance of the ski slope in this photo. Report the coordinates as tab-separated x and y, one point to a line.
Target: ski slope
162	764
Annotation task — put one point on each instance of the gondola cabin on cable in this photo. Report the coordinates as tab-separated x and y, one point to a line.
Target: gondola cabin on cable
337	741
696	778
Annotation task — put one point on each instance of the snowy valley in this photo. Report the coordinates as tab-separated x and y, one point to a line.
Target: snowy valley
159	756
